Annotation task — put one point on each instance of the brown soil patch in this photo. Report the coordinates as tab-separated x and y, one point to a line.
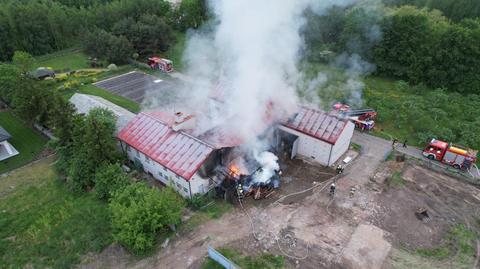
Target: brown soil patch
448	201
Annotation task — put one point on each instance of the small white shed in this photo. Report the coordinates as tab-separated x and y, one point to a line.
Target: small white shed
317	135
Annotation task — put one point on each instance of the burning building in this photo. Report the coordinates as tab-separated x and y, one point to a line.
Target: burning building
166	146
164	149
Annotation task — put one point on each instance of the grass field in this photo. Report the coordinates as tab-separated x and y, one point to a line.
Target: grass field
44	225
378	88
71	59
116	99
28	143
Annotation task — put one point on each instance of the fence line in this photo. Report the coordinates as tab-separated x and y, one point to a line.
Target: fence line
446	169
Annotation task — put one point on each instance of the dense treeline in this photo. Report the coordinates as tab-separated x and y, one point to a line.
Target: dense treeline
456	10
43	26
408	43
423	47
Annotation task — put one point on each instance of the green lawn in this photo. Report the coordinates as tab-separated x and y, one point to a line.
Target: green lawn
27	142
116	99
43	224
71	59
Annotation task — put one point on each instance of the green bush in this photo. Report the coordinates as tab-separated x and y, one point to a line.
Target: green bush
198	201
109	179
72	84
139	213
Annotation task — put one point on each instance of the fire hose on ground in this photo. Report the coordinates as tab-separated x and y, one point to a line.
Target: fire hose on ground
282	198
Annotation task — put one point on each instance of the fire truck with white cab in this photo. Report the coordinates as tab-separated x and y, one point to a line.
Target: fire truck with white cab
454	155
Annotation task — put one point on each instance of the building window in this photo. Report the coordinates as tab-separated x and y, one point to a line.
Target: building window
138	153
185	189
129	148
160	173
179	186
147	159
164	169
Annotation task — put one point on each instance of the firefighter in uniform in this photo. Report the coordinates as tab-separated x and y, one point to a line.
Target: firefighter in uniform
339	169
332	189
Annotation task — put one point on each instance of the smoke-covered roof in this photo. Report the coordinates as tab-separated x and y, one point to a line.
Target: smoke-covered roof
178	151
318	124
4	135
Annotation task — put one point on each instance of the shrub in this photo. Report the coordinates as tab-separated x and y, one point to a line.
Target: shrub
109	179
139	212
198	201
72	84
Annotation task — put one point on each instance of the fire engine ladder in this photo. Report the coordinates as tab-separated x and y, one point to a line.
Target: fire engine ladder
359	112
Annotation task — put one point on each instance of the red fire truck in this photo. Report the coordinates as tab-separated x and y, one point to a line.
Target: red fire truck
454	155
161	64
364	119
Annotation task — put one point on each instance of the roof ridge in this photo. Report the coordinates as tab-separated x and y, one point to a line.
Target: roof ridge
183	133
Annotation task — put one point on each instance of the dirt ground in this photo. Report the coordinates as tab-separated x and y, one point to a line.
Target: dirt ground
448	201
301	222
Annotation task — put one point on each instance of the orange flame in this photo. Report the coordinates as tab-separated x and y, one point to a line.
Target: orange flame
234	170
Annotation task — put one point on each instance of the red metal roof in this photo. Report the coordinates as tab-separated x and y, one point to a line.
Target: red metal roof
179	152
318	124
221	137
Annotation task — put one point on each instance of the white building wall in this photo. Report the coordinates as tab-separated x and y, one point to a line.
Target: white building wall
199	184
343	142
312	148
167	177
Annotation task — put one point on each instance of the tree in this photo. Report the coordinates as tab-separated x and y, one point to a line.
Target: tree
139	212
93	146
109	179
9	76
23	61
104	45
148	35
361	31
61	119
31	100
191	14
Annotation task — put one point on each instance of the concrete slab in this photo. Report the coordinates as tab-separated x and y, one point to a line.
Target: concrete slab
367	248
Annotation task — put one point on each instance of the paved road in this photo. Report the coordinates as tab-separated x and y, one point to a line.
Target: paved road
376	149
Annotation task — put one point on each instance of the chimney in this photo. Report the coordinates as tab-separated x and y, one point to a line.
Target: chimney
183	122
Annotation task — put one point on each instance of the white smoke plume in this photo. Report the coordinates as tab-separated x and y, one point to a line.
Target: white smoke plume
242	67
249	53
269	163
